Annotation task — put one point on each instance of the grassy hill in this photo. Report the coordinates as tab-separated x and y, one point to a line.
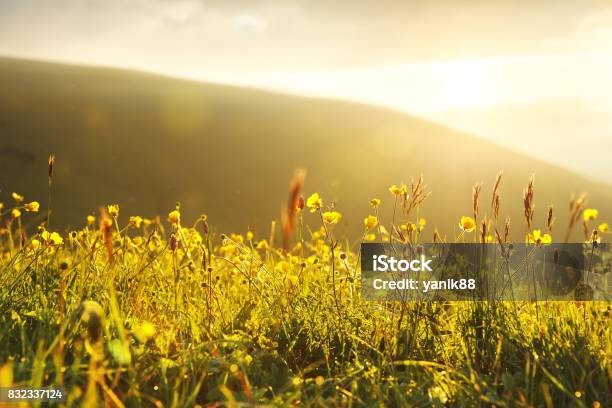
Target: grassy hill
145	141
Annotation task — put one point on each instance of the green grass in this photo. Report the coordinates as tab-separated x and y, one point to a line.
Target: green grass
163	315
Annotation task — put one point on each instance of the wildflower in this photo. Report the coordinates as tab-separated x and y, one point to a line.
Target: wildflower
237	238
32	207
375	202
248	359
263	244
145	331
1	206
234	368
174	217
15	213
467	224
319	380
18	198
603	227
370	237
422	223
249	235
35	245
537	238
401	190
331	217
370	222
113	210
590	214
147	222
314	202
52	238
91	220
135	221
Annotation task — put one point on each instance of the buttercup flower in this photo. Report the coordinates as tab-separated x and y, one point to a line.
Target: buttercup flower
174	217
398	190
91	220
314	202
536	237
467	224
15	213
135	221
52	238
113	210
18	198
590	214
34	206
375	202
604	227
370	222
331	217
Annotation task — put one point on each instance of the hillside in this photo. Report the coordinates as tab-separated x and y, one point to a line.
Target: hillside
146	141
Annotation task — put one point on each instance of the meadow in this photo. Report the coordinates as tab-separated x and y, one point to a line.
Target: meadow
168	311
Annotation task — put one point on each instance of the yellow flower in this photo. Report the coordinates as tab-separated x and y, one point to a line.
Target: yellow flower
370	237
536	237
34	206
467	224
314	202
408	227
1	206
237	238
174	217
249	235
35	244
263	244
590	214
16	213
147	222
319	380
91	219
331	217
375	202
18	198
135	221
604	227
113	210
422	223
401	190
370	222
145	331
52	238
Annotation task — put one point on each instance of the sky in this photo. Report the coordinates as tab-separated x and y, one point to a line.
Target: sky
531	76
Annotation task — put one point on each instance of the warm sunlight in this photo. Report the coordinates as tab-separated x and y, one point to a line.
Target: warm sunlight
464	86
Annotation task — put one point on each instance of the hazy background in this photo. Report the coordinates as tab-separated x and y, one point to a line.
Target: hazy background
532	77
361	94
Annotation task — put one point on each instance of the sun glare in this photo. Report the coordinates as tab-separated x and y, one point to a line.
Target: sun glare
463	86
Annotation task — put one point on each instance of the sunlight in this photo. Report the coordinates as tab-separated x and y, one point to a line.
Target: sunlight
463	85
